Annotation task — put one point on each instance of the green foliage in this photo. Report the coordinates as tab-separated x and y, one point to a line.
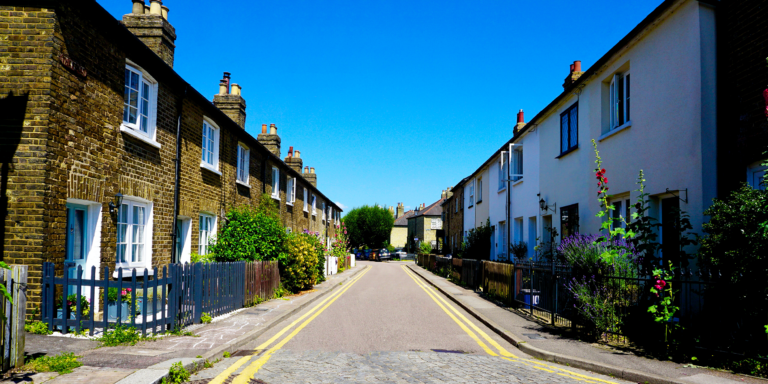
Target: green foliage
478	244
122	335
664	310
205	318
85	305
177	374
300	271
227	354
519	249
197	258
182	332
390	248
37	327
63	363
368	226
124	296
425	248
645	228
251	234
611	225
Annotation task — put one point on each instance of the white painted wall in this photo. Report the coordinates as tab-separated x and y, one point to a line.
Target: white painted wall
497	204
524	203
672	133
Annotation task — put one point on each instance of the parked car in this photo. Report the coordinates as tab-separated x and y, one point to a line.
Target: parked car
384	255
400	253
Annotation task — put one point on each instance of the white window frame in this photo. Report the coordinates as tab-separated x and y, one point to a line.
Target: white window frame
479	197
203	242
323	211
243	164
149	111
516	159
210	137
503	171
472	194
314	205
436	224
144	258
290	191
619	120
275	183
306	200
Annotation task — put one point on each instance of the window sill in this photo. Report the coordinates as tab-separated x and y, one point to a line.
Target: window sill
238	182
478	202
306	210
133	133
470	206
210	168
615	131
567	152
502	190
516	183
289	203
275	197
139	271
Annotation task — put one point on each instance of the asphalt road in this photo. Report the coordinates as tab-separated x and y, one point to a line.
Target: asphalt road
386	325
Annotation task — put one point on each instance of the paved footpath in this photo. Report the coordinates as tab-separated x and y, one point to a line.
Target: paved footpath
386	325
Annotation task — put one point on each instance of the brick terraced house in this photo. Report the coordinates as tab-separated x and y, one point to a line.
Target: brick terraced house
93	121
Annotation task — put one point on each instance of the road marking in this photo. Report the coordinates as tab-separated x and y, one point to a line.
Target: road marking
505	354
245	376
234	367
464	327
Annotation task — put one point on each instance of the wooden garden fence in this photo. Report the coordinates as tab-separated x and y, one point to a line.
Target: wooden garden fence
497	280
12	327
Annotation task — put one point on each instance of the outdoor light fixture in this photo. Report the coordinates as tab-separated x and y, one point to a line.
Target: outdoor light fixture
114	206
543	204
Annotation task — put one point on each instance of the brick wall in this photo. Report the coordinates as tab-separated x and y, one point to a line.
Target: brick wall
68	144
454	221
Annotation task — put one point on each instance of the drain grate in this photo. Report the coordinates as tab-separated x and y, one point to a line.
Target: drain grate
448	351
534	336
245	352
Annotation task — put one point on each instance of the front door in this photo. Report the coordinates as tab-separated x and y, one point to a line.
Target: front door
77	240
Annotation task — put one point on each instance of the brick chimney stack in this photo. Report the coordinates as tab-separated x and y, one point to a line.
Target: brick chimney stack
294	160
270	139
400	210
576	72
231	103
310	175
151	26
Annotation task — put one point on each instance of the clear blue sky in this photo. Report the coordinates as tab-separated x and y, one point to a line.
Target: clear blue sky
391	100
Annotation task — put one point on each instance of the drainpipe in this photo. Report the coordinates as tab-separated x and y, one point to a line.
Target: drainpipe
175	234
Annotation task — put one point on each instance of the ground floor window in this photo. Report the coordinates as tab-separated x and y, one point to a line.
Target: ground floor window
207	229
569	220
133	233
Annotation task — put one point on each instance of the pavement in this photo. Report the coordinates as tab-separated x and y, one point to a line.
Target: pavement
149	361
541	341
386	325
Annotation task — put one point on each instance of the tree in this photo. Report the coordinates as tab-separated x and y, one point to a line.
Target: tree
251	234
369	225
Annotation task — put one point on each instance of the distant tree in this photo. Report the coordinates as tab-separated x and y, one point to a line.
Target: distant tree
369	226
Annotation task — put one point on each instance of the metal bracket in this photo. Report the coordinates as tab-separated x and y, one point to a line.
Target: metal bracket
681	199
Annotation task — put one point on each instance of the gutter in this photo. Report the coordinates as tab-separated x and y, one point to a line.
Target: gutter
177	184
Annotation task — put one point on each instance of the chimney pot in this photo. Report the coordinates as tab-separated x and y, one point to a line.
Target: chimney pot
146	9
263	128
272	129
306	169
236	89
138	7
577	66
290	151
520	117
156	7
222	87
571	66
297	154
311	169
165	12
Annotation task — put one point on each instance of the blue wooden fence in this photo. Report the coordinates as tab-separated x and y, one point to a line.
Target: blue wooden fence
172	298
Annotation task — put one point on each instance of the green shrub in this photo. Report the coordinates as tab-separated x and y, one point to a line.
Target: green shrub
205	318
177	374
250	234
62	363
122	335
37	327
425	248
478	244
300	271
391	248
197	258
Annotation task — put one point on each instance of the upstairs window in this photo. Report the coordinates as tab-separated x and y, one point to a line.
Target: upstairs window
275	183
472	195
620	100
291	191
503	172
314	205
306	201
139	102
479	190
243	160
517	162
569	129
210	147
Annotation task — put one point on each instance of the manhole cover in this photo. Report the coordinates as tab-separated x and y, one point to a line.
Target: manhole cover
534	336
447	351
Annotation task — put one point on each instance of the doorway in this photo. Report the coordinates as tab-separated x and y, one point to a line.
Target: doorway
76	240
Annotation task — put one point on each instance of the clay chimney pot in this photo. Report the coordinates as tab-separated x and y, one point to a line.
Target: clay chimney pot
297	154
156	7
576	66
236	89
272	129
222	87
165	12
263	128
138	7
311	169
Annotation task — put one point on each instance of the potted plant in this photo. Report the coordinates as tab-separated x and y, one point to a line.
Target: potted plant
122	299
85	307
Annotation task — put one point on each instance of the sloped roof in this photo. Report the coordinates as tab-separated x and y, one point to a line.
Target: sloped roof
435	209
402	221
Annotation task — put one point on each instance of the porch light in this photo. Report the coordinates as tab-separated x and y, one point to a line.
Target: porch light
114	206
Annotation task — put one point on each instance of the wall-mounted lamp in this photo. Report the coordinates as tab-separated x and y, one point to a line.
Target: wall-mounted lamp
543	204
114	206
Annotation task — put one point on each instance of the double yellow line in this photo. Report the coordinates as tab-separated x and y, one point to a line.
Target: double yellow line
245	376
502	353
